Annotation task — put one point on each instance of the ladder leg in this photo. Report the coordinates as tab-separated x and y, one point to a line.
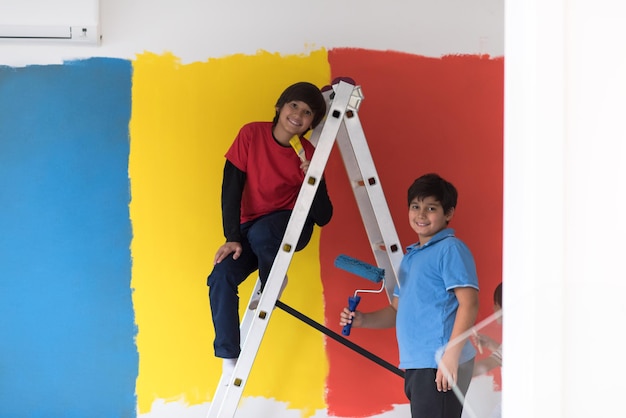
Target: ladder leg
370	199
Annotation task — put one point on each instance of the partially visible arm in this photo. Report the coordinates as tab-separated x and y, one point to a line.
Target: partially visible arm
487	364
485	341
465	319
322	208
232	190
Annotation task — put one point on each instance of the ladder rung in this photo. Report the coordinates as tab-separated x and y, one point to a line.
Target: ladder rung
361	183
381	246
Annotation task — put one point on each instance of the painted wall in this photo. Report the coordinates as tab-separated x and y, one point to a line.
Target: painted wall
111	169
65	302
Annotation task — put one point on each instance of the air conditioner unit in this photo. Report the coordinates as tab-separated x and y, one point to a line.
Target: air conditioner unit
67	21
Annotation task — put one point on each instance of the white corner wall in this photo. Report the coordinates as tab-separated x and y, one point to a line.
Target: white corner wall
565	100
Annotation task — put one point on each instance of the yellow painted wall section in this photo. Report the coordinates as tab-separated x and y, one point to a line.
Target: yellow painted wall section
184	118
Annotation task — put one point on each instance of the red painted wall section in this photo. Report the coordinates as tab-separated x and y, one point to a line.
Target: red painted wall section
419	115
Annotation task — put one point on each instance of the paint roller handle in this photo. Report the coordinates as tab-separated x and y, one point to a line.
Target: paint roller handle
353	302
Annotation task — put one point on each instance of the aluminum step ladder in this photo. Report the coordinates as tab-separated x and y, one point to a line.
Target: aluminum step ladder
342	124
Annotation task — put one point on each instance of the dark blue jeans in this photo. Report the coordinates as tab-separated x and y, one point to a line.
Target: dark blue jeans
261	239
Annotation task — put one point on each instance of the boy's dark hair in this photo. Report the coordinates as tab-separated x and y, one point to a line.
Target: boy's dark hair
497	295
432	185
307	93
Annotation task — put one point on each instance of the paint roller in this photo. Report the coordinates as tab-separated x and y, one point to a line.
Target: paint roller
362	269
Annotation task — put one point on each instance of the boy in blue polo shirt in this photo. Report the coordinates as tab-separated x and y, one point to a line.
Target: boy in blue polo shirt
436	301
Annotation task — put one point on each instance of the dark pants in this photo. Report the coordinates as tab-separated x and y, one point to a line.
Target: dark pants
261	239
426	401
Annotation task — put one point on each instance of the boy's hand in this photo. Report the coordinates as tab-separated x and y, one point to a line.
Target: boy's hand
305	165
482	340
227	249
447	372
346	317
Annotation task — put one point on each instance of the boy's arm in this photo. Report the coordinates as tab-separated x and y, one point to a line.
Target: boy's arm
321	208
382	318
486	364
465	319
232	190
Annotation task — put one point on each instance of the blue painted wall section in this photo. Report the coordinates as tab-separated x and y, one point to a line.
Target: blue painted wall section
66	318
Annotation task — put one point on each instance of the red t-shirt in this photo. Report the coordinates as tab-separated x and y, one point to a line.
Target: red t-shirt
273	174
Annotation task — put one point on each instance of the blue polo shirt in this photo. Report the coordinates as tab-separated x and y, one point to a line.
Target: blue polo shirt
427	304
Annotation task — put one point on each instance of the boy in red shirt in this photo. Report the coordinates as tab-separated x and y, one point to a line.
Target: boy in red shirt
262	179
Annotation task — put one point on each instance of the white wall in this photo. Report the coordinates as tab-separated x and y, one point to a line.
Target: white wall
565	101
195	30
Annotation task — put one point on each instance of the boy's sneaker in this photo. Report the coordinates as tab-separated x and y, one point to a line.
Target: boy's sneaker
257	295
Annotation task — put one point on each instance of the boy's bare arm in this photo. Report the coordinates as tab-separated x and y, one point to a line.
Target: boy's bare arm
382	318
465	315
465	319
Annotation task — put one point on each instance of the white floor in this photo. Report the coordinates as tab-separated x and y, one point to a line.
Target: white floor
479	403
250	407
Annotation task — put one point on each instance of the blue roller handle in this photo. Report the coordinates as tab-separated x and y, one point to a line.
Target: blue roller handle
353	302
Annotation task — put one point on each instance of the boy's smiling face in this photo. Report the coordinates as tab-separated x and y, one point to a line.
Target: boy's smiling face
427	218
294	118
